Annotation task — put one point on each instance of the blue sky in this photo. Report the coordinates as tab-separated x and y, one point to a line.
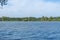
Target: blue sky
34	8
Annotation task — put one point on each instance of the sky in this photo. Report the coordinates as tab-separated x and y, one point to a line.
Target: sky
31	8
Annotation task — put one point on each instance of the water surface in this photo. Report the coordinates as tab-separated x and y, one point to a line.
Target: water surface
29	30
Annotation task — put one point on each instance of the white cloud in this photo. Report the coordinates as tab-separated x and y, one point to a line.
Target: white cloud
30	8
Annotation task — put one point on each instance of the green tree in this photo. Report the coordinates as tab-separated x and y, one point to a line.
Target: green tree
3	2
5	18
51	18
46	18
42	18
32	19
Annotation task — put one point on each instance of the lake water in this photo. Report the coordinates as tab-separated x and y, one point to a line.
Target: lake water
29	30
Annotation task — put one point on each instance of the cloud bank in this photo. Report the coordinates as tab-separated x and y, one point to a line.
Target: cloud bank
34	8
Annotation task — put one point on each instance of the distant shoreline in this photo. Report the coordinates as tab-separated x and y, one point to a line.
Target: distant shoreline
43	19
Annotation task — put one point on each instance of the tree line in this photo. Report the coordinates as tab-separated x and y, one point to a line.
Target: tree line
43	18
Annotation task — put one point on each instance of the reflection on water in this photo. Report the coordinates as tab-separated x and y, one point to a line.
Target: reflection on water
29	30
